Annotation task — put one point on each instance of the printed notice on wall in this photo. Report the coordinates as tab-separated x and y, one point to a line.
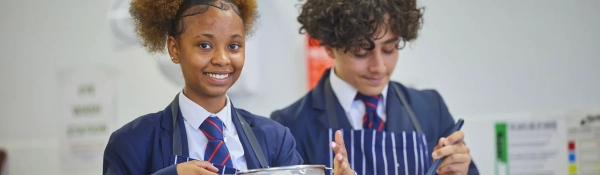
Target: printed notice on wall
530	147
88	115
584	144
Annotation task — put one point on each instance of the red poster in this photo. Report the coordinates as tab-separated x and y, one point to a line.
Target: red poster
318	61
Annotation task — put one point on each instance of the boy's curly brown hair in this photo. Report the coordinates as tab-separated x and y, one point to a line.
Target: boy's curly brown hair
156	20
352	24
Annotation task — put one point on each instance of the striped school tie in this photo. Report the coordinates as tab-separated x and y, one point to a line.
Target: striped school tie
216	150
371	120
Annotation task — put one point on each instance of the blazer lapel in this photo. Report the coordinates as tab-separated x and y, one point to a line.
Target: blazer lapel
342	119
319	96
397	116
166	137
166	148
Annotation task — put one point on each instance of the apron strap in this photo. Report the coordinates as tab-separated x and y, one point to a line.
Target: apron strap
329	105
253	141
411	114
177	149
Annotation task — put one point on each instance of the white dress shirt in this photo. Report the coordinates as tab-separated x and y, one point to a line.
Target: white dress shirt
194	115
355	109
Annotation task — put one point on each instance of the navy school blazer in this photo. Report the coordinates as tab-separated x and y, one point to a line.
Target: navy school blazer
308	122
144	145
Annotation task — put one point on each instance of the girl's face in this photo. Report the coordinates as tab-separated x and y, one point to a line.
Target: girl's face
210	51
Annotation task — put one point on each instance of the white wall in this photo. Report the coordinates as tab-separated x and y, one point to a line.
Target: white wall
39	38
508	56
485	59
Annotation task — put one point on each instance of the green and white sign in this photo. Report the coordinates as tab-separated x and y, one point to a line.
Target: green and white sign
530	147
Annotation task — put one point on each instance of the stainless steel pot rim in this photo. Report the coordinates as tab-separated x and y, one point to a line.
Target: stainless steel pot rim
293	167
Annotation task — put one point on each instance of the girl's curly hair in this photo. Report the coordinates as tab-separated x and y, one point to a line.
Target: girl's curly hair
352	24
156	20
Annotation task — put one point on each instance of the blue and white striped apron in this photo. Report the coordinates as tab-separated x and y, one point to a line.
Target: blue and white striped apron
373	153
175	159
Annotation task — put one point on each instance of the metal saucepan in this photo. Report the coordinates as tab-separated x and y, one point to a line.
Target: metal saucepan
288	170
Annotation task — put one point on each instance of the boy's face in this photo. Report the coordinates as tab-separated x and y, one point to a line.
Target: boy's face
368	70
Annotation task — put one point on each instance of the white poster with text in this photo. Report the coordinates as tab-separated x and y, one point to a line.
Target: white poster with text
88	117
530	147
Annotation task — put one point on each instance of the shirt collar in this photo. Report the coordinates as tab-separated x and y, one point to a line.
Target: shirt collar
195	114
346	93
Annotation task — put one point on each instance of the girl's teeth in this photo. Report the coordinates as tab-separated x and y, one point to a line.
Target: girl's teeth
218	76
